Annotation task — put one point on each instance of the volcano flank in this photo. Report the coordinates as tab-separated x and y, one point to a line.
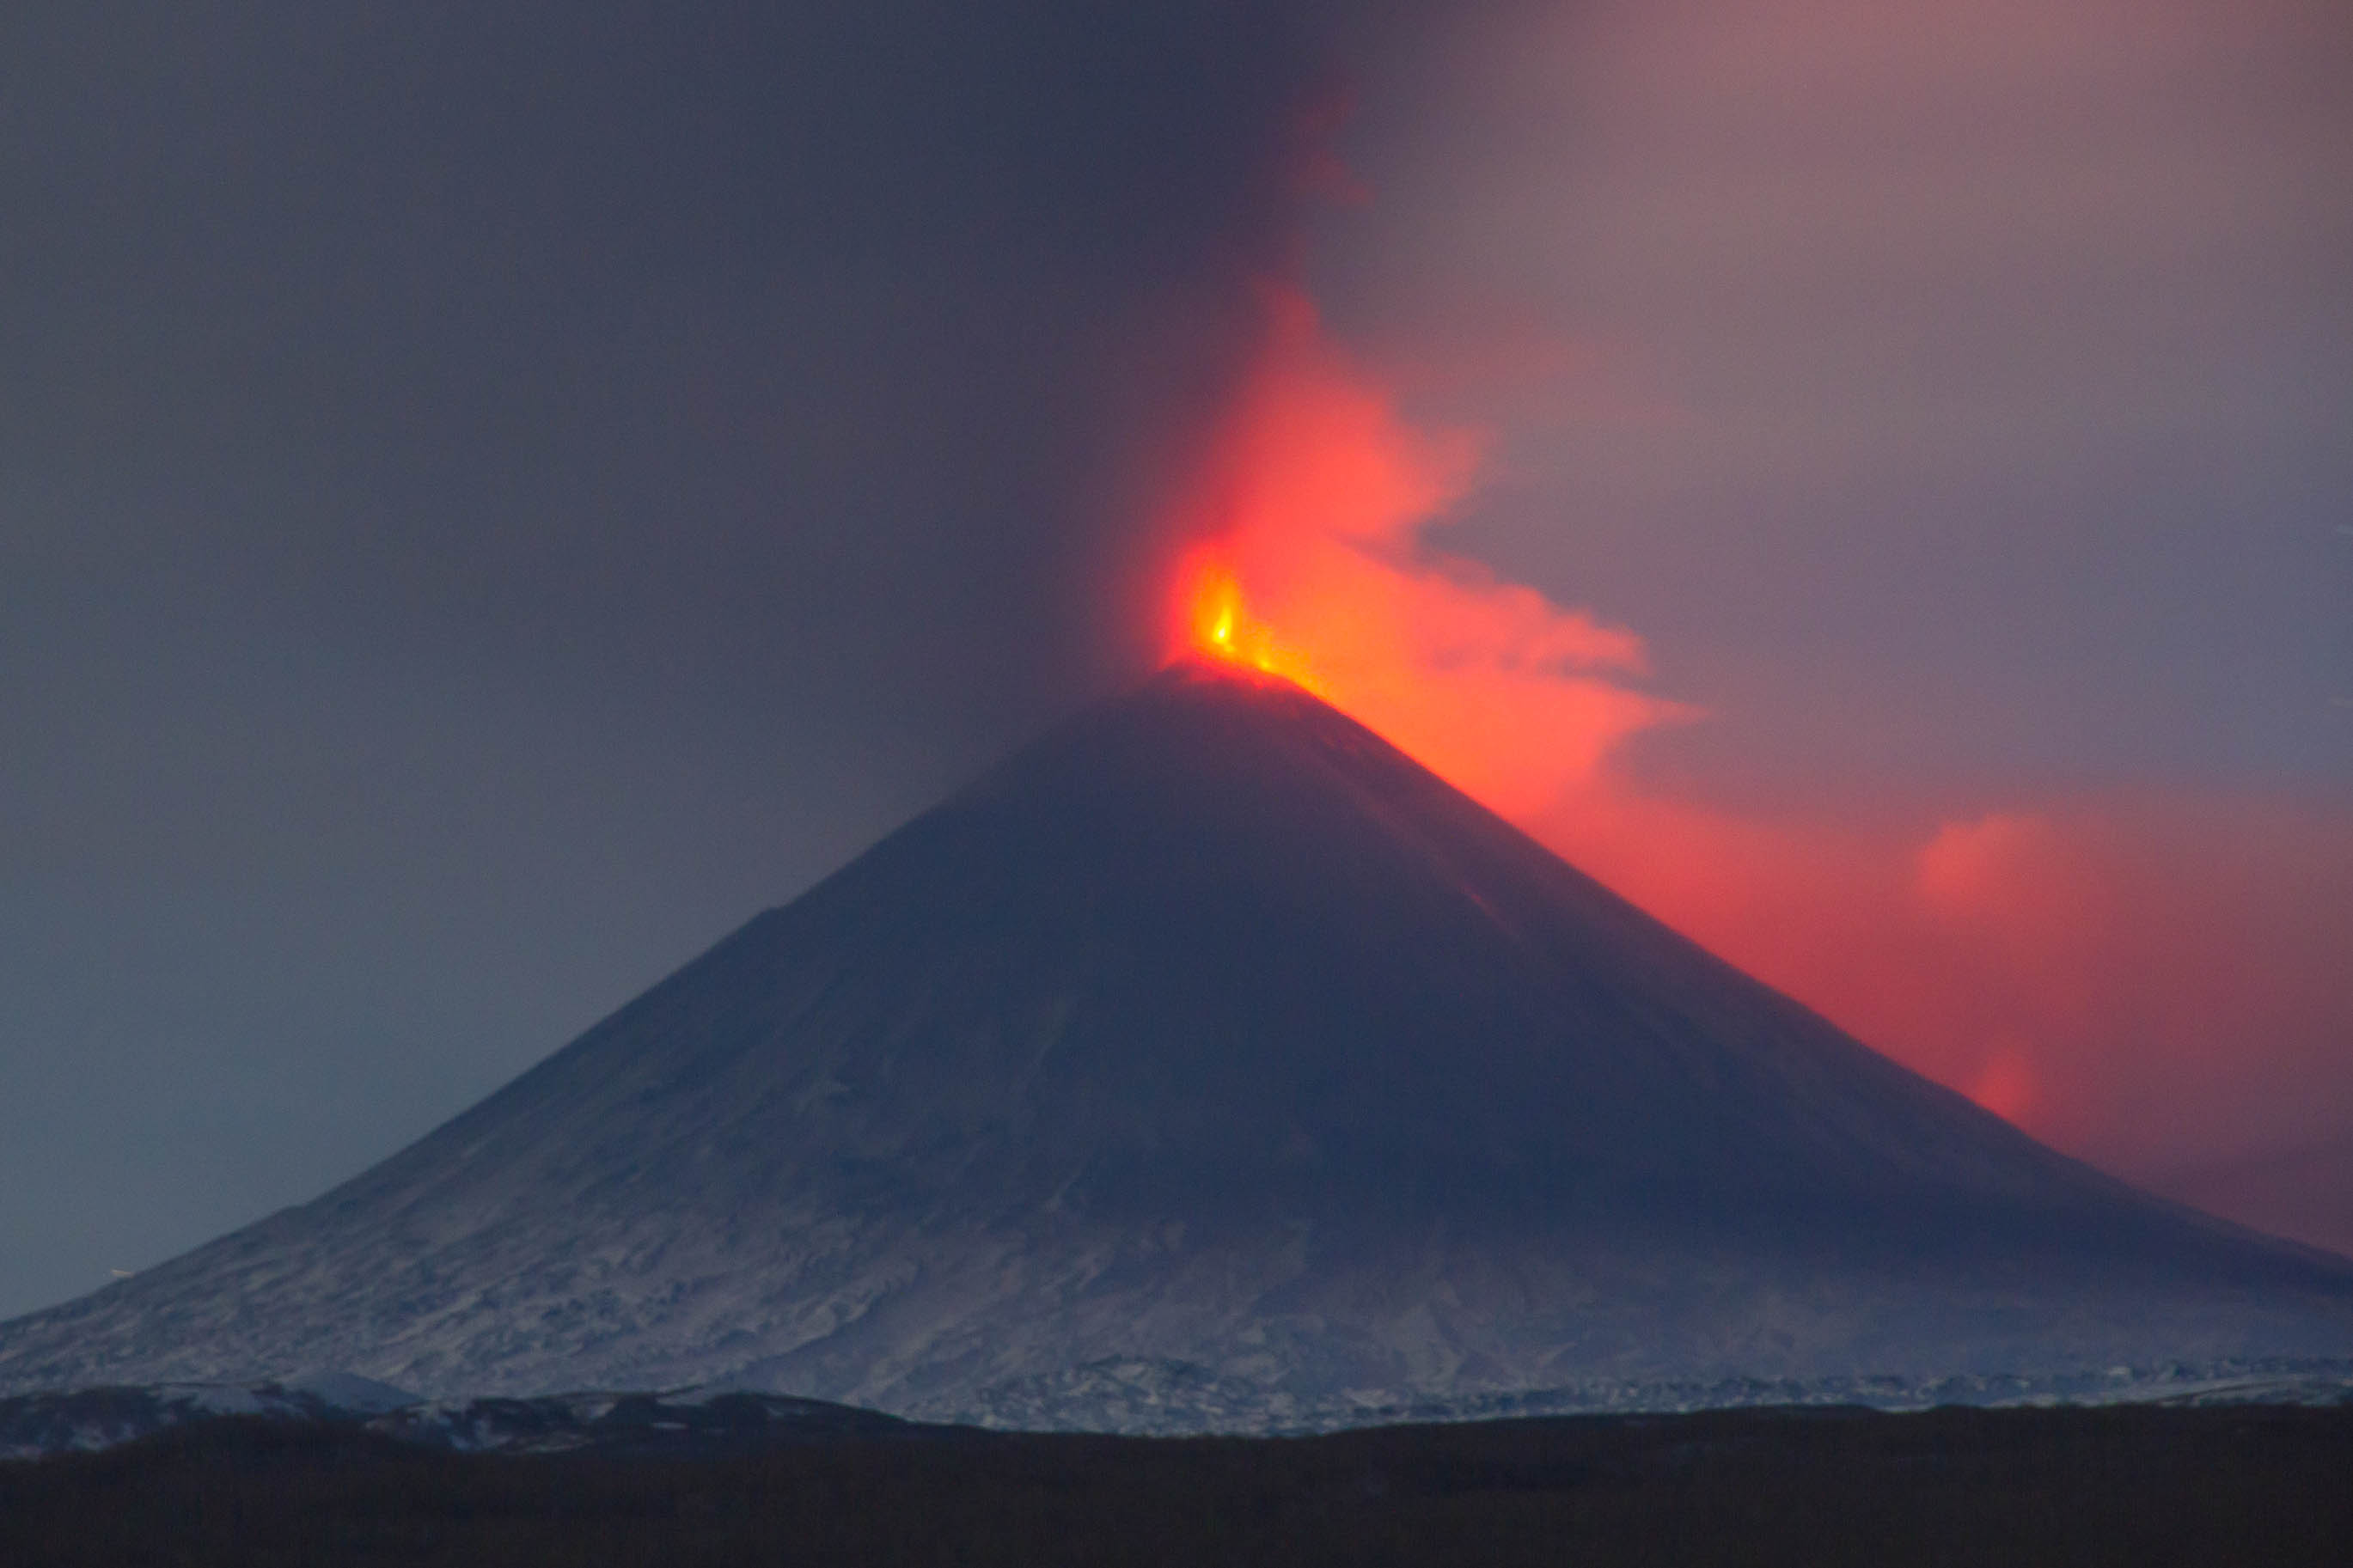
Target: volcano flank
1212	1053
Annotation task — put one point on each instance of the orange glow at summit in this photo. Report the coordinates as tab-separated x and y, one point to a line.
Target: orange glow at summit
1311	506
1222	626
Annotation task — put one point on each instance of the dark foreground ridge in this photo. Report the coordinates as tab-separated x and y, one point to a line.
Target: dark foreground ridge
1209	1066
2134	1486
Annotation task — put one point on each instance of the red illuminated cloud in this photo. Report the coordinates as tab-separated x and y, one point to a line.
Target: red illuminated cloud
2146	985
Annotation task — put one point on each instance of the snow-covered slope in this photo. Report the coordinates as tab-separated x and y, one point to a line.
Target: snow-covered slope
1209	1034
1131	1396
679	1421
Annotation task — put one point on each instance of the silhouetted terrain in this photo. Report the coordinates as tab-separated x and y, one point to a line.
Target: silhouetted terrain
2128	1486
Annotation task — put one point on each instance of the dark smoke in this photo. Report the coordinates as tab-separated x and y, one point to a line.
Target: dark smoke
493	494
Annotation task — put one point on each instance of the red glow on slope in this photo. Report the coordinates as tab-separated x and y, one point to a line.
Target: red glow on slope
2147	983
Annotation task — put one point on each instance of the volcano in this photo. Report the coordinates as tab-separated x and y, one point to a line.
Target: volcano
1212	1051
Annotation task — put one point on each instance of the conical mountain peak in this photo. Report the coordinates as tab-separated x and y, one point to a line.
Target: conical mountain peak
1207	1034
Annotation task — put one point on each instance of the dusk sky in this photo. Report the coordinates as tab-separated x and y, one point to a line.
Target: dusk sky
490	498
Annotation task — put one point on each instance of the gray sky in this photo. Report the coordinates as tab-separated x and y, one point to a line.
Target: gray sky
1964	390
490	498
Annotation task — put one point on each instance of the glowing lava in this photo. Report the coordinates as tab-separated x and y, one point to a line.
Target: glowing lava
1222	626
1311	503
